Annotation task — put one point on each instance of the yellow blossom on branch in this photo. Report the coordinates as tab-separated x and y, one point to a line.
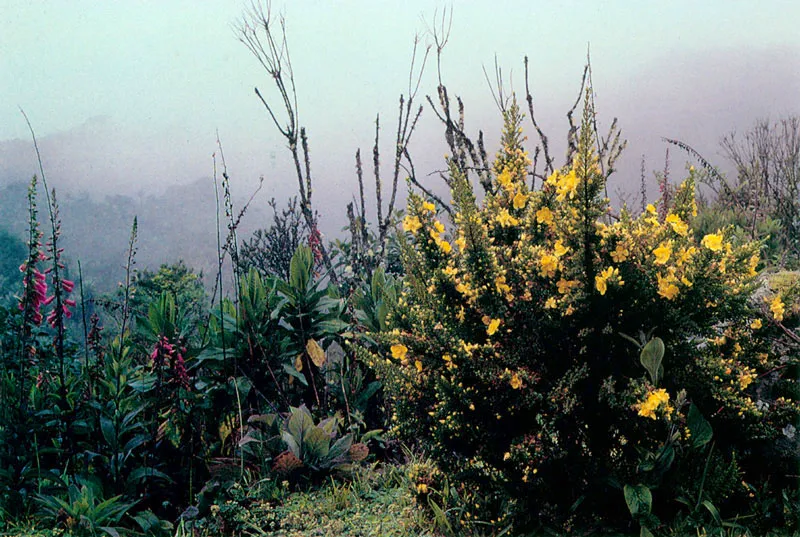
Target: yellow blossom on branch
678	226
713	242
411	223
619	254
516	382
655	400
666	287
544	216
662	253
600	284
520	200
505	219
777	307
559	249
494	324
429	207
548	264
399	351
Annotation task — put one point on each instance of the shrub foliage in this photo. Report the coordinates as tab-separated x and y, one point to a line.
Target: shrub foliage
559	362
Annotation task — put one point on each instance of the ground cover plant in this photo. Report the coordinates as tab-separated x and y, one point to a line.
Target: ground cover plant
522	358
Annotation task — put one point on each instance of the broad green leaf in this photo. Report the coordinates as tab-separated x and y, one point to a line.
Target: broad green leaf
300	422
295	373
699	427
317	443
300	269
651	356
639	499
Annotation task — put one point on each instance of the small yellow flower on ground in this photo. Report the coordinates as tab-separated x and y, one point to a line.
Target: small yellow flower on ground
756	324
516	382
550	303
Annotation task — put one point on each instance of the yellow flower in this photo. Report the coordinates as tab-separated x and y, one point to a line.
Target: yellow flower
516	382
411	223
493	326
548	265
506	456
600	284
655	399
429	207
450	270
756	324
678	226
550	303
501	285
662	253
544	216
666	288
439	227
418	365
504	179
422	488
461	242
619	254
505	219
519	200
560	249
651	209
752	265
399	351
565	285
713	242
777	308
745	379
445	246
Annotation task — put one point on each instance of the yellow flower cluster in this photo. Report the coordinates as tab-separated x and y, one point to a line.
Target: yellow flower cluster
777	307
566	184
656	399
608	274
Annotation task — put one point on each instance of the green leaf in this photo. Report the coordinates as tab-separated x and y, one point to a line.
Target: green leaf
295	373
644	532
639	499
300	422
341	447
300	269
317	444
699	427
651	356
714	512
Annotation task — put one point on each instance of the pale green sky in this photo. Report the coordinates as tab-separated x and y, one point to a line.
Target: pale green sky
163	75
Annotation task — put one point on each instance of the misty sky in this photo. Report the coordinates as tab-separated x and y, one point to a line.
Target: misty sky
127	96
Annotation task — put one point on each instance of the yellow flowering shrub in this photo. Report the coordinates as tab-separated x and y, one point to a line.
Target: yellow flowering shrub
510	360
